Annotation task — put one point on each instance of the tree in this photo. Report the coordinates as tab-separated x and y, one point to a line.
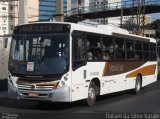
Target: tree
129	26
156	26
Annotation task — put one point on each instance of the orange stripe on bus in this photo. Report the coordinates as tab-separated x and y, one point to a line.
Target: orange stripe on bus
105	70
148	70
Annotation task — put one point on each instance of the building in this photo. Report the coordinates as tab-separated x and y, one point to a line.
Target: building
147	19
109	4
35	10
79	3
4	18
47	8
32	12
126	19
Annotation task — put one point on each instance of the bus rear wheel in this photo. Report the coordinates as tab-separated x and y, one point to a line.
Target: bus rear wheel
138	85
91	94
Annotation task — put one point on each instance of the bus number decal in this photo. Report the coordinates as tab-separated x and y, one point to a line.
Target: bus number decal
94	73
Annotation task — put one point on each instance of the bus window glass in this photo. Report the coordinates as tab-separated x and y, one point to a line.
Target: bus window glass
42	50
129	50
153	51
145	46
94	51
138	50
138	45
119	47
108	48
146	53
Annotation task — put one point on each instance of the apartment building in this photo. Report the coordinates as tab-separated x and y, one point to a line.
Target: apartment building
4	18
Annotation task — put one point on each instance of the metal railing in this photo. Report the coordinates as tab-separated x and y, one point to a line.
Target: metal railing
107	7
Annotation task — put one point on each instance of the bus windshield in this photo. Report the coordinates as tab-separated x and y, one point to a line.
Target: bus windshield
44	54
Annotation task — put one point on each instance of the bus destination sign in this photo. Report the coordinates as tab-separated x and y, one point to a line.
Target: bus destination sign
41	28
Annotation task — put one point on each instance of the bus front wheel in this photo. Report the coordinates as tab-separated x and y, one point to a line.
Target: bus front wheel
91	94
138	84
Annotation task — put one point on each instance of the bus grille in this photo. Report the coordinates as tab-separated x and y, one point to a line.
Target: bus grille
34	87
34	84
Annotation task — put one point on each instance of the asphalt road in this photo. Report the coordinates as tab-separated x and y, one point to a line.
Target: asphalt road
123	104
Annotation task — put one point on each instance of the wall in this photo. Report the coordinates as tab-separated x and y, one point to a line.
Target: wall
4	16
4	55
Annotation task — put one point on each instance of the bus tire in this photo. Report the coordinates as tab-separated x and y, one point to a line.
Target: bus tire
138	85
91	94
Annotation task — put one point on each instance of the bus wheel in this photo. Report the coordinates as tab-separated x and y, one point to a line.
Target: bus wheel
91	94
138	85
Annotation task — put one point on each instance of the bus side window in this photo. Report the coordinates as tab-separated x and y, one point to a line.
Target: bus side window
89	55
130	50
94	51
146	52
138	50
120	48
153	52
108	48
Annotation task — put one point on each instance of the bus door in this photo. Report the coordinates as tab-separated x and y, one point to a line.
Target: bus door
79	91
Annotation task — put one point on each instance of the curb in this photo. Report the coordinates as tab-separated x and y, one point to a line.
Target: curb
3	85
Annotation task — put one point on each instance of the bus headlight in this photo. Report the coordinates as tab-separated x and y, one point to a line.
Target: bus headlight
65	78
62	83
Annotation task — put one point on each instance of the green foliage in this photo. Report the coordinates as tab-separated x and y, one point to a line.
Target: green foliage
130	26
156	26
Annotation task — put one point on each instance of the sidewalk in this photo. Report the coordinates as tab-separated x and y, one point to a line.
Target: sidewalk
3	84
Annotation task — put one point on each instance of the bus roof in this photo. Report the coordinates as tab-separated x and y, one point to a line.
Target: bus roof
101	29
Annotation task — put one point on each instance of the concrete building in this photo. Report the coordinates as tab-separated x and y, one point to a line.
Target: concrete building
4	18
110	4
79	3
147	19
126	19
32	12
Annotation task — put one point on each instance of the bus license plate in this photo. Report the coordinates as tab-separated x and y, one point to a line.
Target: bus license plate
33	94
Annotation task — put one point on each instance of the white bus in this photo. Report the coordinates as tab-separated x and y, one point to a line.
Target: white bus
66	62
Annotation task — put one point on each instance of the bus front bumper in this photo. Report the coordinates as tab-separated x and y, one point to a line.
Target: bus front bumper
55	95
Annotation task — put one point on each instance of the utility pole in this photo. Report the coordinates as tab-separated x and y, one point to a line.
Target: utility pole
59	10
139	11
121	14
104	19
22	12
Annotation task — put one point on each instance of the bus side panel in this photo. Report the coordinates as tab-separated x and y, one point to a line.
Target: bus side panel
115	83
148	72
130	83
148	80
82	77
95	72
79	84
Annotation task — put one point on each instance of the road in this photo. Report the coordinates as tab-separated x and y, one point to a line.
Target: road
148	101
